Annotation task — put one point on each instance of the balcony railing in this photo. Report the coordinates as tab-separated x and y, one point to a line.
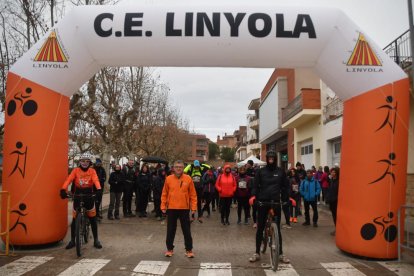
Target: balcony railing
252	118
308	99
254	124
399	50
333	110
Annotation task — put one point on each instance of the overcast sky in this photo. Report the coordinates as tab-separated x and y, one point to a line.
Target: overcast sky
215	100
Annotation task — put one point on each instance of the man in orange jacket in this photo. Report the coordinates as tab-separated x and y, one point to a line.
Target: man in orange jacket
178	198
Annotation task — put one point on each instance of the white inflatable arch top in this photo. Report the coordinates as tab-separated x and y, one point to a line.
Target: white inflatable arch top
204	34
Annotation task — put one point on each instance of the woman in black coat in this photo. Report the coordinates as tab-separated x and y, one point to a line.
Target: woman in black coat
116	182
144	181
157	187
332	194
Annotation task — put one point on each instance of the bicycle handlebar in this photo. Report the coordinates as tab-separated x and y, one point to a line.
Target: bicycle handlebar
81	195
268	203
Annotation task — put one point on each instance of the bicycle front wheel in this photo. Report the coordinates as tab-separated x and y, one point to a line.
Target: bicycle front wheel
274	246
265	240
86	230
78	234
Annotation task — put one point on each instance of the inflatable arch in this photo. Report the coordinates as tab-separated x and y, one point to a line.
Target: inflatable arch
198	33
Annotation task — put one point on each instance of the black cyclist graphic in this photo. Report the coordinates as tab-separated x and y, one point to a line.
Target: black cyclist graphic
391	117
23	99
388	171
21	157
20	214
369	230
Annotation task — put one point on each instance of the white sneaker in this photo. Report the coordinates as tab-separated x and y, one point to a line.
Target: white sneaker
283	259
254	258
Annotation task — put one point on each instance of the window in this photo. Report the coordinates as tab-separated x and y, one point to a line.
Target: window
308	149
337	147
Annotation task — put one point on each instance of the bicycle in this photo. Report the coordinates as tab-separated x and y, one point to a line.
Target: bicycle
271	234
82	228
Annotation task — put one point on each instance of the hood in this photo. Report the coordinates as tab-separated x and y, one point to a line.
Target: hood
225	167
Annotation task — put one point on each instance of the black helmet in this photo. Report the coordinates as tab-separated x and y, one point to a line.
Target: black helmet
271	153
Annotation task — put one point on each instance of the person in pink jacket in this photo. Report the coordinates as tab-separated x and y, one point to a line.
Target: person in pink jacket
226	187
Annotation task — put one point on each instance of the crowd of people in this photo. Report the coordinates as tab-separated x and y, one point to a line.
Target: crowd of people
212	189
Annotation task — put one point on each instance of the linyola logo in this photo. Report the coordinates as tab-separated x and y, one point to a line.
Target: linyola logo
363	58
51	54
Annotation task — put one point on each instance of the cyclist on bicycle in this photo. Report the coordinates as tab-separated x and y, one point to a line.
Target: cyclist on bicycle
270	184
84	178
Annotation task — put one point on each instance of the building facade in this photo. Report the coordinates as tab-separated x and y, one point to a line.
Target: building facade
197	147
253	147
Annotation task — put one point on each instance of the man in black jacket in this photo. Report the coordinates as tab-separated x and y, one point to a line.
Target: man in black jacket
270	184
100	171
129	172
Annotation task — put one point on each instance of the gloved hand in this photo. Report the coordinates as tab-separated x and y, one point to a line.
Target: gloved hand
63	194
99	192
252	200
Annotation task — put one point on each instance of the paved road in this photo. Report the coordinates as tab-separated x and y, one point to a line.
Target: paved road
135	246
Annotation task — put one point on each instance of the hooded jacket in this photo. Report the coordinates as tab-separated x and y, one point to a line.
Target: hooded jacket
271	183
209	182
309	189
226	183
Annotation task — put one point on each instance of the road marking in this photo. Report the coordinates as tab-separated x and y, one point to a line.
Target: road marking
341	269
215	269
401	269
85	267
282	270
151	268
23	265
150	237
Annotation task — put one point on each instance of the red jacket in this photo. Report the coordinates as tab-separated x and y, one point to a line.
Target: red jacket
226	184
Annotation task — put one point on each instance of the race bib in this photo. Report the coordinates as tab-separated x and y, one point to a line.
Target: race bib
196	178
295	188
242	184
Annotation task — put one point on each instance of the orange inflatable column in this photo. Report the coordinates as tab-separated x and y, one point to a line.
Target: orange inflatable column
35	161
373	171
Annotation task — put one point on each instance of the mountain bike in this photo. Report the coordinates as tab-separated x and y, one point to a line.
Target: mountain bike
270	234
82	221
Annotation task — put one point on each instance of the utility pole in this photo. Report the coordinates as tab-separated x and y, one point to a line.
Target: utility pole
410	18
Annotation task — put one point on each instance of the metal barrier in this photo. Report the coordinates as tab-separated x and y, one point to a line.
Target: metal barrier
405	243
7	231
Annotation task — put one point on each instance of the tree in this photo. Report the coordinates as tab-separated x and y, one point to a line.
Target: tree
213	151
127	110
227	154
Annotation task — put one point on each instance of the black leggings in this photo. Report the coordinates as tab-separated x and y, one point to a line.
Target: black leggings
333	206
207	198
261	223
225	208
243	204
